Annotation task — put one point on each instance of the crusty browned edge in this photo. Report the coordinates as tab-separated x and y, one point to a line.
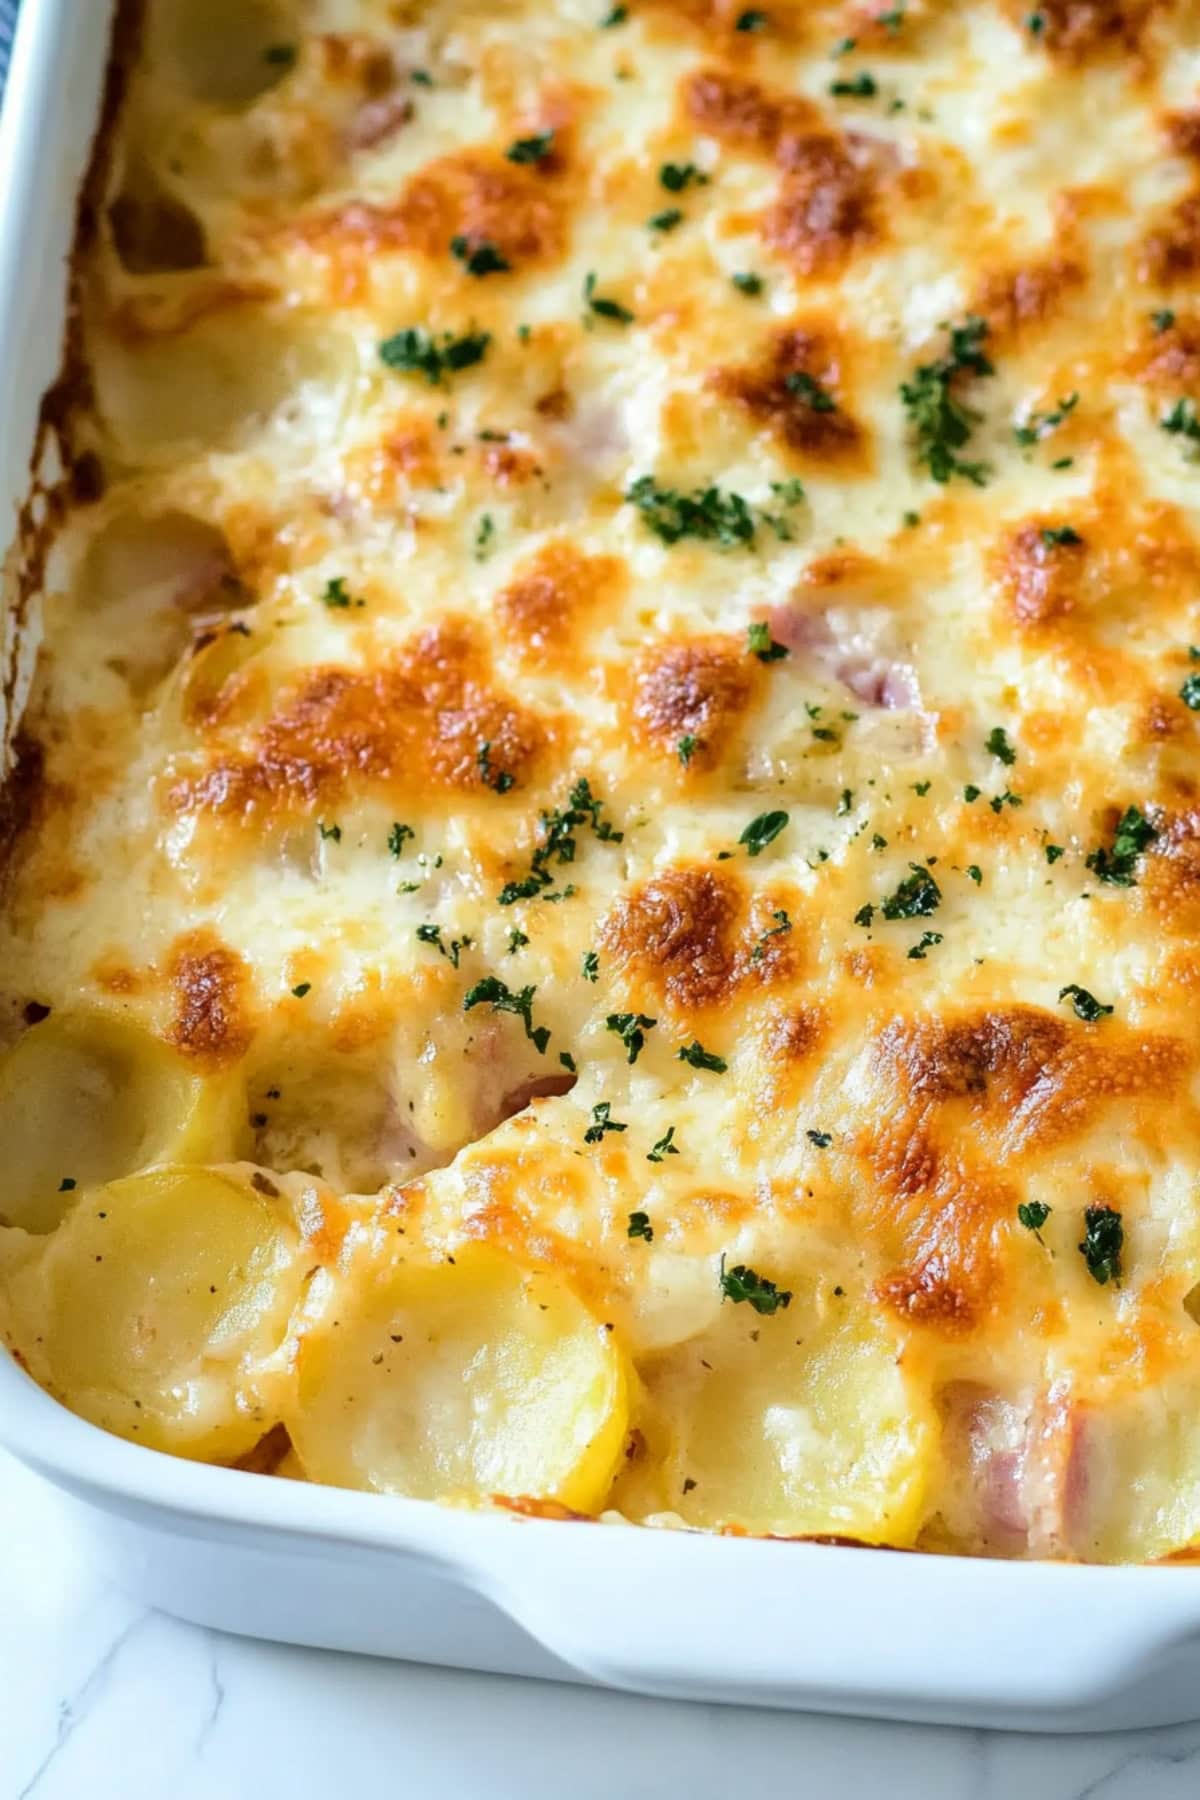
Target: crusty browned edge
48	501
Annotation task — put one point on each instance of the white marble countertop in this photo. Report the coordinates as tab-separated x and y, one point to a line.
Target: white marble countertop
99	1697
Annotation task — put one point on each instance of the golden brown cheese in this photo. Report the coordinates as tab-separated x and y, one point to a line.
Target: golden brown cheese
611	804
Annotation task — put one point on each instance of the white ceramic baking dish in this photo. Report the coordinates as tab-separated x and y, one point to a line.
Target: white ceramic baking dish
799	1625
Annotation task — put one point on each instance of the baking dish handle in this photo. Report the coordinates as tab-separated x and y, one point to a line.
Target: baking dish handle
685	1616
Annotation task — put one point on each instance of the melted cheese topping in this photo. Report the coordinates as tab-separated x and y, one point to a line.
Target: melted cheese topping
626	704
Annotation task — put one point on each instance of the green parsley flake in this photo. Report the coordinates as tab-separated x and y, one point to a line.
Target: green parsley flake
479	256
929	939
686	748
760	643
397	837
1056	536
706	513
417	352
1189	693
305	987
603	306
493	992
601	1122
1104	1238
631	1028
640	1227
817	398
762	831
998	745
1117	864
1086	1005
666	220
666	1146
855	87
1033	1215
533	149
917	896
590	968
331	833
699	1058
941	424
743	1284
748	283
822	1139
337	596
675	177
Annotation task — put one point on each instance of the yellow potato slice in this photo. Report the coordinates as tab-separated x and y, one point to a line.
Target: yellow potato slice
85	1098
461	1381
149	1311
1130	1480
799	1423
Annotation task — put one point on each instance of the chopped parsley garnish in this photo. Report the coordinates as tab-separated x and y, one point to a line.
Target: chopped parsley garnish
559	842
666	1146
531	149
305	987
517	940
1040	424
280	56
742	1284
616	15
971	793
941	424
1116	864
666	220
567	1061
499	780
974	873
675	177
999	801
1035	24
1182	422
398	835
855	87
998	745
1033	1215
699	1058
929	939
878	842
822	1139
784	924
760	643
864	915
331	832
479	256
493	992
747	282
815	397
917	896
1104	1238
762	831
432	934
601	1122
705	513
1054	536
67	1184
417	352
337	595
921	788
1162	320
751	20
631	1028
686	748
603	306
1086	1005
421	77
485	533
1053	852
590	968
640	1227
1189	693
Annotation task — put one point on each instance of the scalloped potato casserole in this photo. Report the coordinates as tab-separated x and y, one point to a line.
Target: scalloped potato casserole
602	910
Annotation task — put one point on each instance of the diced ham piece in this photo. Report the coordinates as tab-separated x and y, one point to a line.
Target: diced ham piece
850	643
378	120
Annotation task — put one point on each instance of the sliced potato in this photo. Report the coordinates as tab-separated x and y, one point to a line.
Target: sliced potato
801	1423
459	1381
1131	1476
84	1098
151	1307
